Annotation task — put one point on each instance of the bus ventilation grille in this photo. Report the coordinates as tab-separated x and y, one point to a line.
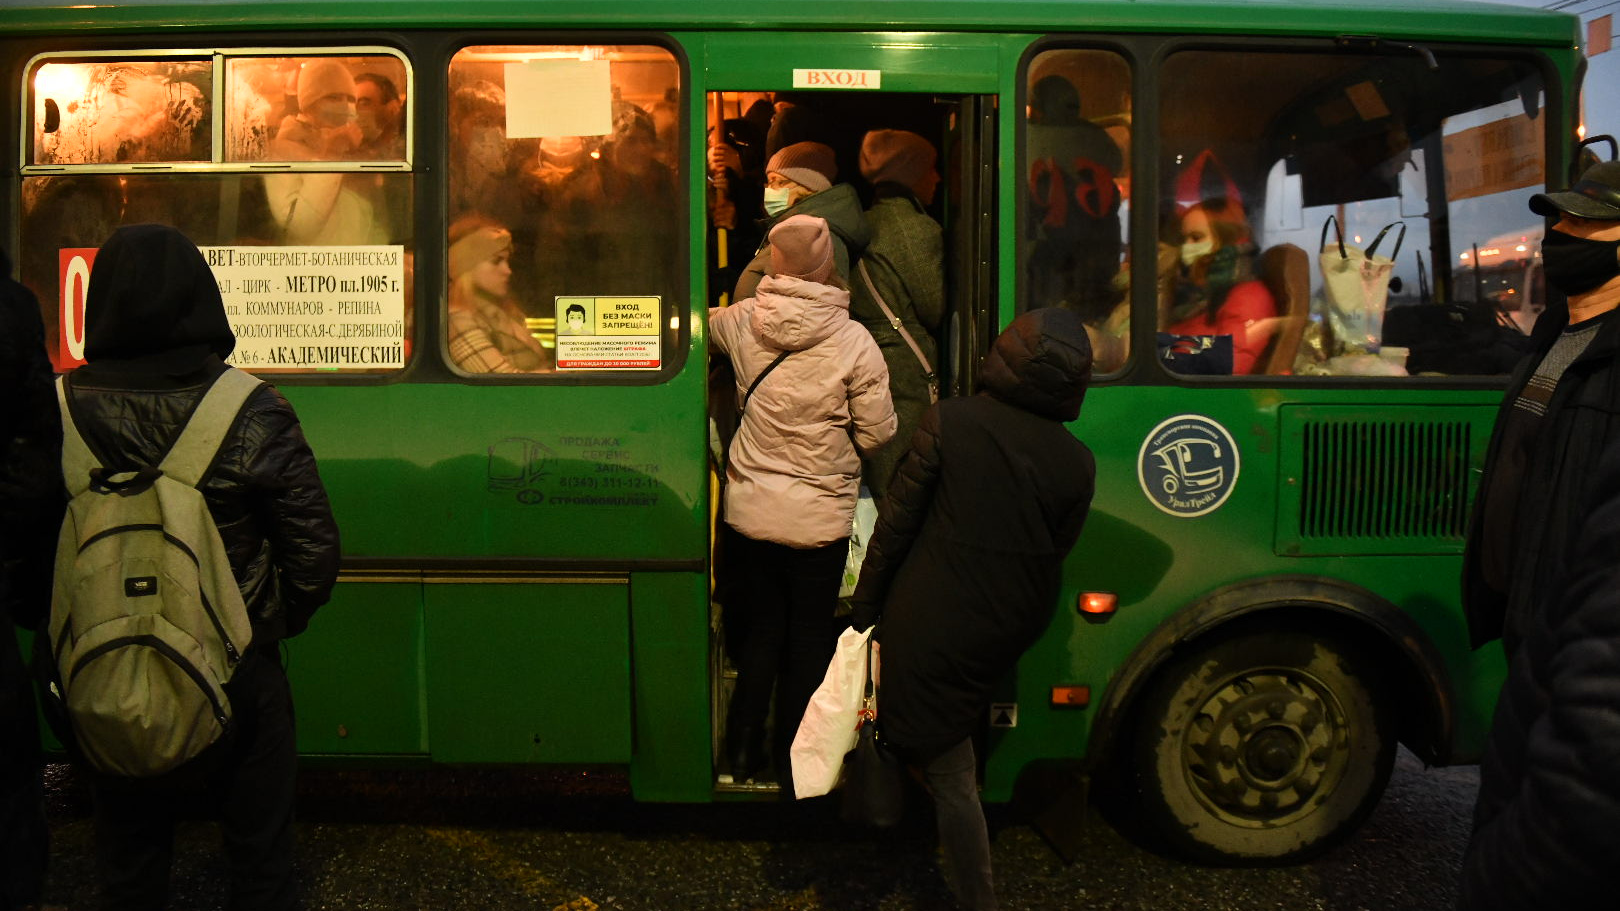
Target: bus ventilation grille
1365	479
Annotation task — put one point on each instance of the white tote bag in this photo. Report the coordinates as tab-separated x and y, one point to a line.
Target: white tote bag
830	723
1356	284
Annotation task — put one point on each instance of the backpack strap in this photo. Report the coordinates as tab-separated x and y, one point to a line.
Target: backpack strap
193	453
77	460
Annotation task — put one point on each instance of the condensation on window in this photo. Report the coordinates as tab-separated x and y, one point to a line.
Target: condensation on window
1077	186
563	184
121	111
301	108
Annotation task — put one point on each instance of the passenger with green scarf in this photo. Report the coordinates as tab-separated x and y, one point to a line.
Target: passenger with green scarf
1218	293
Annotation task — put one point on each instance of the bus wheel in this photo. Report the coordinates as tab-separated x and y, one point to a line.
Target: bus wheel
1265	747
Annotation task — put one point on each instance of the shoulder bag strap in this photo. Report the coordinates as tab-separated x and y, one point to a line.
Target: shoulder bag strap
762	374
193	453
900	327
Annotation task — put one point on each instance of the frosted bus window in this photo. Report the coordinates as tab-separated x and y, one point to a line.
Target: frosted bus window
565	201
315	108
1077	189
122	111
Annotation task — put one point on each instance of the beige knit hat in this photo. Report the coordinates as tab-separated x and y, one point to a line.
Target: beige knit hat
809	164
801	247
896	156
320	78
474	239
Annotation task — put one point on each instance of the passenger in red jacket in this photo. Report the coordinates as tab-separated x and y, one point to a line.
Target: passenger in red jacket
1218	294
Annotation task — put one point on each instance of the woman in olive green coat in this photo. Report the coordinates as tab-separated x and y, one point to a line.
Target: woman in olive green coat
904	264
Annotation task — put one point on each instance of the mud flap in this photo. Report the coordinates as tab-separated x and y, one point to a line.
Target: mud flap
1054	797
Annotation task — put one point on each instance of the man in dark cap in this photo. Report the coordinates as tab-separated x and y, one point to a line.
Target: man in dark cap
1539	572
1561	411
31	502
156	338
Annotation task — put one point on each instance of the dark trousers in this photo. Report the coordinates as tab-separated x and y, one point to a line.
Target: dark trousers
247	782
788	596
23	835
952	779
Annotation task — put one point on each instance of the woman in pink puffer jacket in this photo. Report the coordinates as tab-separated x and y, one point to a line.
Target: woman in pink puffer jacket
793	477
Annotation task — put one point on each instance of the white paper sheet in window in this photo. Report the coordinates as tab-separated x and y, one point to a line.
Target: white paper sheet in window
558	98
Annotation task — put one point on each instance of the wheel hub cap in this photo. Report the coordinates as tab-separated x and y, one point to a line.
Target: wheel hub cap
1263	744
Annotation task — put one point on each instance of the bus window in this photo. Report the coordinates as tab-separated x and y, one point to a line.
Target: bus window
1269	157
560	253
315	109
117	111
1077	191
313	260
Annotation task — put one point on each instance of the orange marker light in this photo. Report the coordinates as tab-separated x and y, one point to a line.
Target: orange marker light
1071	696
1098	602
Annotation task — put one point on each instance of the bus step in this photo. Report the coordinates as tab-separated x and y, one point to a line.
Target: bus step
724	785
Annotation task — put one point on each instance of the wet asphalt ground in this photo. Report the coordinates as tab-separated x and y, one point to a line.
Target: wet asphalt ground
492	840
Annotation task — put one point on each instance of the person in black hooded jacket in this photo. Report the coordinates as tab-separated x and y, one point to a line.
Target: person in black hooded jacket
966	561
156	337
1547	825
31	504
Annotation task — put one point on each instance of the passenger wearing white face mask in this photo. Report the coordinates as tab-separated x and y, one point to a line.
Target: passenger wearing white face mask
324	128
1217	293
314	208
378	107
799	181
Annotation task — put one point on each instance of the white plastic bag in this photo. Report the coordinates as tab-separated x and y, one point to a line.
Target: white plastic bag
860	535
1356	285
830	723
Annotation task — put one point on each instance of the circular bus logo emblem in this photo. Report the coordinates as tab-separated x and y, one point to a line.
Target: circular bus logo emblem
1188	465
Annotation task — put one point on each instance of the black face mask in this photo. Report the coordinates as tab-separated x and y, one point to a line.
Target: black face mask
1576	265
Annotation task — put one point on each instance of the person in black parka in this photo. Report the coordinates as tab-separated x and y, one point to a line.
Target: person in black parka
156	336
965	564
1547	825
31	505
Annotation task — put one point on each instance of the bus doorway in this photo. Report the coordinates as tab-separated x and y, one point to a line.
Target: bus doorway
744	130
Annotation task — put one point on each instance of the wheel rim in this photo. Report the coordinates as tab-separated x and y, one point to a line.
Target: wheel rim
1265	746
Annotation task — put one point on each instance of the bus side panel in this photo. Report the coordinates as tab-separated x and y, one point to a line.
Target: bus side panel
670	638
474	472
356	673
1127	548
529	672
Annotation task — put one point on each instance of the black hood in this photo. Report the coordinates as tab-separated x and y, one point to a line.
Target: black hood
1041	363
153	300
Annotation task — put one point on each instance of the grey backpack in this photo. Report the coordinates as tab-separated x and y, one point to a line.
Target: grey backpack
147	622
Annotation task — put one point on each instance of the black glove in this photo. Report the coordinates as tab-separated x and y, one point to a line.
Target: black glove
863	616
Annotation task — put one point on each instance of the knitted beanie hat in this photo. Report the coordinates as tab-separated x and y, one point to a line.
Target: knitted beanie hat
809	164
473	240
801	247
896	156
320	78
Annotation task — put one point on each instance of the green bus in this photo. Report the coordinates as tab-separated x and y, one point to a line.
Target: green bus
1264	601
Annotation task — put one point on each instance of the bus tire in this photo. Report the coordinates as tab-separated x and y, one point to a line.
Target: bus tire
1266	747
